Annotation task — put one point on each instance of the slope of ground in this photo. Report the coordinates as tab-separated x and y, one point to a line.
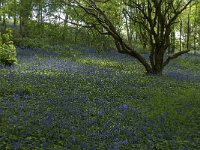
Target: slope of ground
98	102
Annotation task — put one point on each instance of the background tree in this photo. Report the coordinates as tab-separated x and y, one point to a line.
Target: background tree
25	13
157	17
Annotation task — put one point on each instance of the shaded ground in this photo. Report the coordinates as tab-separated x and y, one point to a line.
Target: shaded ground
95	101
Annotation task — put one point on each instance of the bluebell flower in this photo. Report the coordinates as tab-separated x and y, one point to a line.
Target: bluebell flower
1	109
162	118
16	145
124	107
83	145
45	145
48	120
14	119
116	146
74	141
92	148
135	138
124	142
185	148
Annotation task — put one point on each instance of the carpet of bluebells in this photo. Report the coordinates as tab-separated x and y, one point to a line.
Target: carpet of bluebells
98	101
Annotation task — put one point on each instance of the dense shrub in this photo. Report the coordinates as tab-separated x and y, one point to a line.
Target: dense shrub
7	49
33	43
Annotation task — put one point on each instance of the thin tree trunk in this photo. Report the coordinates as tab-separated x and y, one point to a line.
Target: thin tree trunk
180	38
188	31
195	28
173	42
15	21
0	7
20	24
4	22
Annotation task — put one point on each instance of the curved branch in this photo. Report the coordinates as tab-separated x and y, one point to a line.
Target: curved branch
101	17
174	56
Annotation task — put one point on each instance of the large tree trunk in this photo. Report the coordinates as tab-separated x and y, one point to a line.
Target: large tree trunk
156	58
158	66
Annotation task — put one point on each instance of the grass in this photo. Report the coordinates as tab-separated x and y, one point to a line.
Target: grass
90	101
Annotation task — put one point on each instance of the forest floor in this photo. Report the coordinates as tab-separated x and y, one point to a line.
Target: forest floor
84	100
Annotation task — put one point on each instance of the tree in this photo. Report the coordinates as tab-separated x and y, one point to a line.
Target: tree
24	14
157	18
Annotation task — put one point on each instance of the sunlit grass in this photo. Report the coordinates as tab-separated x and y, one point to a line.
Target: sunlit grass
101	62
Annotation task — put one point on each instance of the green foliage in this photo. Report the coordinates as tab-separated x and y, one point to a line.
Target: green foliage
102	63
7	49
67	51
31	43
101	43
25	90
4	91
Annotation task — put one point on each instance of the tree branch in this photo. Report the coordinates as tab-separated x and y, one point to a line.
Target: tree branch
174	56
